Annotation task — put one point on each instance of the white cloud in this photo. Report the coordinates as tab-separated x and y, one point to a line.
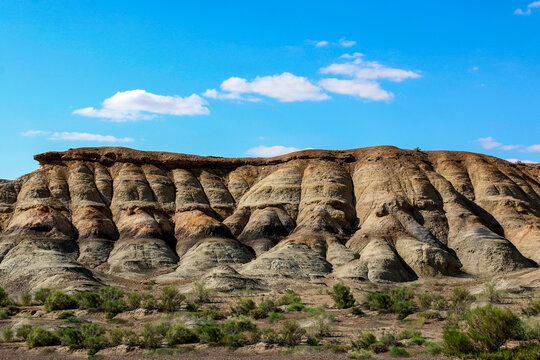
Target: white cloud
35	132
214	94
322	43
510	147
488	143
77	136
368	70
366	90
475	68
533	148
269	151
285	87
346	43
528	10
351	56
521	161
140	104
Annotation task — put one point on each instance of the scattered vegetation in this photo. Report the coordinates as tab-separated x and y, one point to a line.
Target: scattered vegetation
342	296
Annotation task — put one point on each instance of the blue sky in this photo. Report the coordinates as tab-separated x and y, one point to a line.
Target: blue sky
239	78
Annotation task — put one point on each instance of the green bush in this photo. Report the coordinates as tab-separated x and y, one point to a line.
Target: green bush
233	341
425	300
342	296
274	316
42	294
289	297
93	344
398	351
355	310
334	347
360	354
92	330
73	338
398	301
25	298
40	336
388	339
460	300
257	313
531	329
89	300
134	299
150	337
59	300
4	314
378	347
65	315
434	348
291	333
179	334
237	325
163	328
491	293
417	340
7	335
402	309
296	306
490	327
148	302
4	297
243	307
116	336
210	335
112	307
200	294
456	342
24	330
430	315
269	336
110	293
321	324
381	302
267	306
130	338
532	309
363	341
170	299
212	314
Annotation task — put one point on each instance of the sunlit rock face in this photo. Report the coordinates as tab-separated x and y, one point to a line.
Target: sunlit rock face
378	214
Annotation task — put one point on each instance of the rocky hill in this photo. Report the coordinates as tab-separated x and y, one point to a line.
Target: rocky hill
379	214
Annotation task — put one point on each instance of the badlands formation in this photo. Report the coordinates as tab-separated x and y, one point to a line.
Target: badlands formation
381	214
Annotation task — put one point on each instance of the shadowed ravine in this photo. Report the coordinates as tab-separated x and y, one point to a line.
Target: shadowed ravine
379	214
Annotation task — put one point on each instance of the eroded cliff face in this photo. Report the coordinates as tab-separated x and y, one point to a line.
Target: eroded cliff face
380	214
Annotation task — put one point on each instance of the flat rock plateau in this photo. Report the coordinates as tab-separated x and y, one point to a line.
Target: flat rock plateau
90	216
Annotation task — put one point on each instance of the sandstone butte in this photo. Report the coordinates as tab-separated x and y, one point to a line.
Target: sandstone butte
380	214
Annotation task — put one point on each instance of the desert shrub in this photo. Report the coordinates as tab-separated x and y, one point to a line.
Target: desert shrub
402	309
430	315
25	298
130	338
4	297
212	314
439	302
210	335
296	306
388	339
455	341
434	348
274	316
192	306
257	313
233	341
170	299
425	300
360	354
417	340
490	327
322	325
381	302
71	337
243	307
460	300
112	307
7	335
24	330
408	333
200	294
291	333
532	309
531	329
89	300
179	334
524	352
116	335
237	325
355	310
334	347
110	293
313	341
92	330
491	293
150	337
40	336
64	315
42	294
93	344
59	300
398	351
148	302
289	297
133	299
163	328
269	336
363	341
4	314
342	296
267	306
378	347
